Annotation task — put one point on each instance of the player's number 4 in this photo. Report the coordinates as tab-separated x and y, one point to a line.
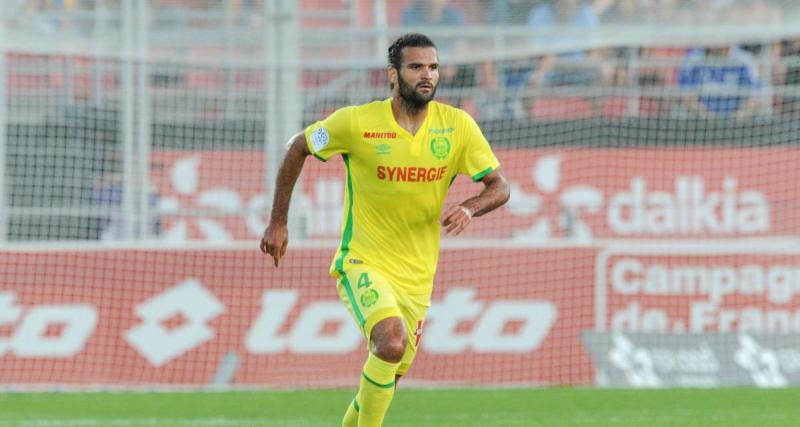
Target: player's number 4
363	281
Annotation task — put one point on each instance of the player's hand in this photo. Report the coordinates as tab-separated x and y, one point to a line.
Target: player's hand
275	241
455	219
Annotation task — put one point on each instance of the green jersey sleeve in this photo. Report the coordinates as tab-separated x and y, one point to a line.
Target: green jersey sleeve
332	135
477	159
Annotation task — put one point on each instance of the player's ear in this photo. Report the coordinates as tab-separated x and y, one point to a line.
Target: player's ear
391	74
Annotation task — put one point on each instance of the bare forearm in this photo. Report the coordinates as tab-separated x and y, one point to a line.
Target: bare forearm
494	195
290	169
488	200
496	192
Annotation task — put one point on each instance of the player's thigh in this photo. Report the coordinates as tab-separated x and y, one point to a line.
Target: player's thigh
414	308
368	297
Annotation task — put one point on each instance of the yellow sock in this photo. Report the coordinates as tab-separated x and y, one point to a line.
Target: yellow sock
375	391
351	416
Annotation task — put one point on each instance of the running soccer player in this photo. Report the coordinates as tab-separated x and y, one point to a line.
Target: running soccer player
400	155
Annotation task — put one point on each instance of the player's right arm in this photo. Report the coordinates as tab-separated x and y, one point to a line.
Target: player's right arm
276	236
323	139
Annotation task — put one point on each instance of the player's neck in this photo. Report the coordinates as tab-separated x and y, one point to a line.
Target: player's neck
408	116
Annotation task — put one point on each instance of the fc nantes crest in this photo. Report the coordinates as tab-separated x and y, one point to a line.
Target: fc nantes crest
440	147
369	298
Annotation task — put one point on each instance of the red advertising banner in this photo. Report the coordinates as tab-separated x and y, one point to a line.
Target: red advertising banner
577	194
700	287
128	317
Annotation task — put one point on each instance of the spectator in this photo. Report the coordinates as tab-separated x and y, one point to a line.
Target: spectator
752	12
653	105
106	196
712	78
515	76
242	13
169	14
440	13
569	68
668	12
432	12
622	12
662	60
506	12
511	78
786	60
763	12
49	16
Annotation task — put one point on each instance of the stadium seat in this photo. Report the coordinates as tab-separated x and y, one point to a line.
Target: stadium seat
561	108
32	72
249	80
653	107
614	107
205	79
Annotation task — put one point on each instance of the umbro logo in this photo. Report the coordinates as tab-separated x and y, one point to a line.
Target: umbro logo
380	135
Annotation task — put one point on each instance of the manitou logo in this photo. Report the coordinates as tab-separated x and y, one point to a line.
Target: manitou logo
174	322
45	330
325	327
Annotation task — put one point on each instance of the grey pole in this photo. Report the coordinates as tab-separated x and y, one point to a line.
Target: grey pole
291	106
271	120
144	124
4	203
128	127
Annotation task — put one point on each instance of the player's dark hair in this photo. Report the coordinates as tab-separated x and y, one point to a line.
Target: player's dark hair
407	40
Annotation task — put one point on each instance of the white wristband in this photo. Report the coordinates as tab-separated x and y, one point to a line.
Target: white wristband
466	211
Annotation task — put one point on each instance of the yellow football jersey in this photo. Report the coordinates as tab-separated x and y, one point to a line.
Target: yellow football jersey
396	185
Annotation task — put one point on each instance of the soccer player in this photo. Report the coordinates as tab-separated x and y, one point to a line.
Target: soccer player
400	155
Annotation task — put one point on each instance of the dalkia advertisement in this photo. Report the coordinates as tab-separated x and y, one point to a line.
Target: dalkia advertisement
575	195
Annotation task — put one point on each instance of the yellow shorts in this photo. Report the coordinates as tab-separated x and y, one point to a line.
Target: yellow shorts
370	298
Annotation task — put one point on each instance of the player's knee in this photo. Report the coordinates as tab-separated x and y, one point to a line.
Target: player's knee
391	350
389	340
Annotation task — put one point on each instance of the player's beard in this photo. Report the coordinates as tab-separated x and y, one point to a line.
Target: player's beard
413	101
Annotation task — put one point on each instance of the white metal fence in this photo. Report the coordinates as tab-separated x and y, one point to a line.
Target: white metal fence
90	91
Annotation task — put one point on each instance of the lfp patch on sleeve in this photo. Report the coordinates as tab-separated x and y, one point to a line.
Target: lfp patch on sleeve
320	138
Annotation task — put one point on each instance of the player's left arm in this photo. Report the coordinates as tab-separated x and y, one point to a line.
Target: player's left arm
496	192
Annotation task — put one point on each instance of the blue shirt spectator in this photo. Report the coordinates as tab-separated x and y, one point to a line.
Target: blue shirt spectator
714	72
563	12
542	20
438	13
573	13
506	12
432	12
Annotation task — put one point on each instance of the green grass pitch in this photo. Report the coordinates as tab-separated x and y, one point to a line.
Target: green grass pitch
411	407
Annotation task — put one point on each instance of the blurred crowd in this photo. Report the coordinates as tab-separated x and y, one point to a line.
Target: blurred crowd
533	13
725	81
